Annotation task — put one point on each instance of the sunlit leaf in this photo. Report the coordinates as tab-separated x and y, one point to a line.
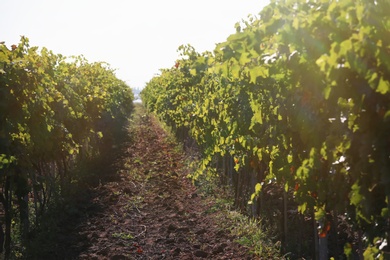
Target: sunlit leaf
258	188
383	86
258	72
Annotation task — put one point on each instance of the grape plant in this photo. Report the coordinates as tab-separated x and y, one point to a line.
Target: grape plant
55	111
297	99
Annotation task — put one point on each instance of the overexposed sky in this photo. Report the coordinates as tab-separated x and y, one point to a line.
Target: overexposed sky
137	38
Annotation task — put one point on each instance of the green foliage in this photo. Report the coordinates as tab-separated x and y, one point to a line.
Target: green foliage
123	236
253	234
303	88
54	112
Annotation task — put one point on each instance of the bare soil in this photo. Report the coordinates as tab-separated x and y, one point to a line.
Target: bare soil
151	210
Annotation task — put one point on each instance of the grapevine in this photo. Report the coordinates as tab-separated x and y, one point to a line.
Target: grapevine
304	90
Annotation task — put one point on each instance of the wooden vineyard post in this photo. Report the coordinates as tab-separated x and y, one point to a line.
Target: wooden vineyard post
285	229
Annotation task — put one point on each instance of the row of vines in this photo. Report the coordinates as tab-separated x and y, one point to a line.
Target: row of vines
296	101
54	113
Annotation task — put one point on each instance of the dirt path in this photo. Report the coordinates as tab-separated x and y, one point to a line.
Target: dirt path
154	212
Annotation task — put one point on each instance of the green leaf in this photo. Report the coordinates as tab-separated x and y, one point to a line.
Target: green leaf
355	196
258	188
289	158
385	213
225	69
303	172
371	252
322	62
383	86
237	37
258	72
244	59
348	250
327	91
100	135
4	160
257	117
302	207
373	80
320	213
235	71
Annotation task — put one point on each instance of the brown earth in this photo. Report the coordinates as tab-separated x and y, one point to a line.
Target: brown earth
152	211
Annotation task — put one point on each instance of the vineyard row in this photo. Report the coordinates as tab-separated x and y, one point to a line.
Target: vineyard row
298	99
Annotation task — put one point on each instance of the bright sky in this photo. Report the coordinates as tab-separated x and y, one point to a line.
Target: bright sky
137	38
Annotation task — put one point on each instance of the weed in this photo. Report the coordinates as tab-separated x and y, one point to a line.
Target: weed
122	235
253	234
256	234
